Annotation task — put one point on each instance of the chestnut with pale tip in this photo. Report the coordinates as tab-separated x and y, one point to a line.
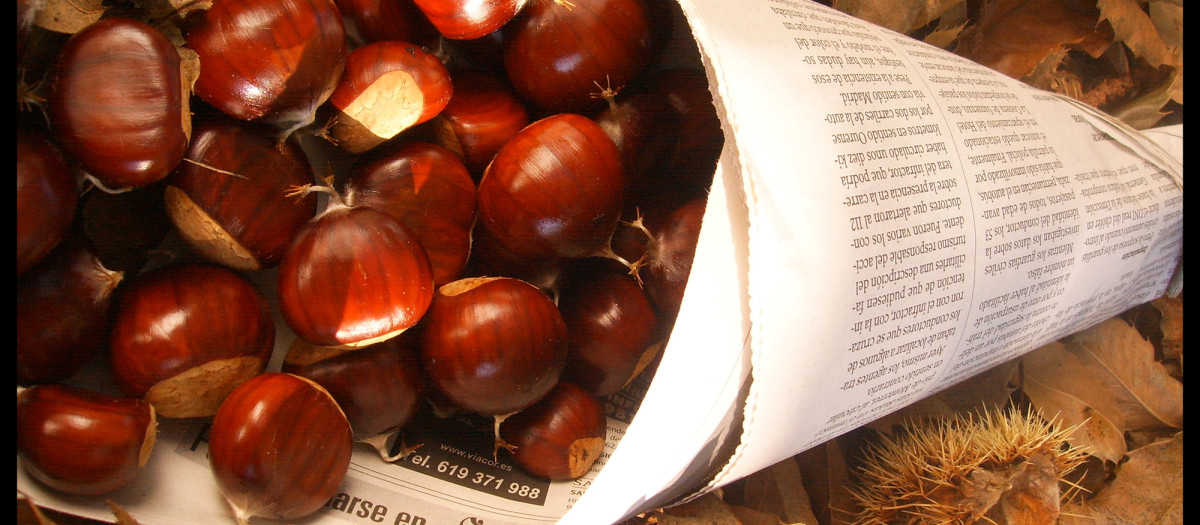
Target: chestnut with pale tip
186	335
561	436
387	88
82	442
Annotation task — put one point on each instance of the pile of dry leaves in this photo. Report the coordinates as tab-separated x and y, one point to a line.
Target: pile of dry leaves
1122	56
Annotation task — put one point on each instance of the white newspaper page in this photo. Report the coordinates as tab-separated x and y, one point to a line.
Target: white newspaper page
914	217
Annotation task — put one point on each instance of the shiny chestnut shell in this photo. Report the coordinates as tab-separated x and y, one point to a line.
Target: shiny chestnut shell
46	197
482	115
119	107
409	180
270	60
493	345
74	285
186	335
279	447
458	20
83	442
554	190
561	436
558	54
387	88
353	276
230	200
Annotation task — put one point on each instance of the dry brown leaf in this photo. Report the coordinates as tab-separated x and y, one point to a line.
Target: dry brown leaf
1147	490
903	16
779	491
69	16
944	38
1053	384
123	517
1133	26
1141	387
751	516
1013	36
708	509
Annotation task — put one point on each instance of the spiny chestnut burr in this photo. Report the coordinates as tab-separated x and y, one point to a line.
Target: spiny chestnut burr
353	276
493	345
186	335
120	105
46	197
271	60
561	436
279	447
83	442
407	181
228	199
387	88
74	285
554	191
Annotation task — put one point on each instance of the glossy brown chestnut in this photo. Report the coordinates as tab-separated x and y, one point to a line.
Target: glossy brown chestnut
270	60
482	115
120	107
229	199
493	345
279	447
353	276
388	87
611	325
408	181
670	258
459	20
560	54
186	335
82	442
46	197
559	437
554	190
74	285
386	20
379	388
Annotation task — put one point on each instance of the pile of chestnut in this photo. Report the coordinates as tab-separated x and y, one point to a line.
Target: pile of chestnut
470	207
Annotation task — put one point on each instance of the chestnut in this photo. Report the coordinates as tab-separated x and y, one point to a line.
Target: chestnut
611	325
558	53
408	180
481	116
670	257
554	190
459	20
120	105
561	436
353	276
370	21
387	88
76	286
83	442
493	345
279	447
271	60
47	195
186	335
229	199
378	387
